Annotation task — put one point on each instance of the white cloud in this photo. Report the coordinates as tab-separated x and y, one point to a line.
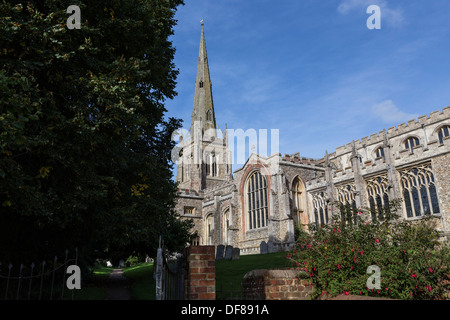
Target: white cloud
388	112
393	16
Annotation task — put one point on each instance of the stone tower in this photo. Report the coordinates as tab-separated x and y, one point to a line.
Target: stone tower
205	160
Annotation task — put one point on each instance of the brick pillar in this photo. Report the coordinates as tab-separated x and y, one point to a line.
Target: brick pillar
200	273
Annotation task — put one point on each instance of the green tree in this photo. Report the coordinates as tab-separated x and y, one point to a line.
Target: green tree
84	144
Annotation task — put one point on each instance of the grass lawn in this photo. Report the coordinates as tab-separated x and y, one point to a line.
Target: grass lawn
142	282
94	288
229	274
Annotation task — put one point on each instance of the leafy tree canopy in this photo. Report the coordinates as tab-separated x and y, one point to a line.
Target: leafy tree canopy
84	144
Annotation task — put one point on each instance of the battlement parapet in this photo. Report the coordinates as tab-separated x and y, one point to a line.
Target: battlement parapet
392	132
295	158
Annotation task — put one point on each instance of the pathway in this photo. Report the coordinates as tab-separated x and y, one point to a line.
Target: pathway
117	286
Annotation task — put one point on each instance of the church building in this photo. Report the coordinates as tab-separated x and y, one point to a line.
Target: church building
269	197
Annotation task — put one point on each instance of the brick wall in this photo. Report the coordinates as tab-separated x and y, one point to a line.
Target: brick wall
200	283
276	285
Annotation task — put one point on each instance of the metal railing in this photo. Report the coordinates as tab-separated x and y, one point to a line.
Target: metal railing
43	281
169	275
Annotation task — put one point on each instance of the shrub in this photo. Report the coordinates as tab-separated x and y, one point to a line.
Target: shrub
412	261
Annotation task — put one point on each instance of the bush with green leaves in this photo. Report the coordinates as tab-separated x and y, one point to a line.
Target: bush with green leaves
413	262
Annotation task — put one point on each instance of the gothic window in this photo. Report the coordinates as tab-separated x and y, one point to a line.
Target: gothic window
209	229
379	153
257	204
189	210
378	195
443	132
298	201
320	209
200	84
226	226
209	115
419	191
211	165
195	241
411	142
346	197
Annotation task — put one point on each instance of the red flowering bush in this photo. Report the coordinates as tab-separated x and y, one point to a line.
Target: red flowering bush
412	262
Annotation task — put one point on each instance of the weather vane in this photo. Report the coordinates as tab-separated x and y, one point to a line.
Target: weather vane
201	21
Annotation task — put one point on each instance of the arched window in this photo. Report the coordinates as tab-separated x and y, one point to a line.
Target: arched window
378	194
209	229
211	164
346	196
419	191
379	153
411	142
209	115
225	226
320	209
298	201
444	132
257	204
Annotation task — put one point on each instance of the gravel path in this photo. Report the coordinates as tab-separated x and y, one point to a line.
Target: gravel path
117	286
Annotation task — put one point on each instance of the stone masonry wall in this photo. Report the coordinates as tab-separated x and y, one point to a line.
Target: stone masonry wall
441	168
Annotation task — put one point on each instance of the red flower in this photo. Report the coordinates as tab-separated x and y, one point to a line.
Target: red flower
414	276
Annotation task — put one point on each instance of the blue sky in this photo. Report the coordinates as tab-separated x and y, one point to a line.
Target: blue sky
312	68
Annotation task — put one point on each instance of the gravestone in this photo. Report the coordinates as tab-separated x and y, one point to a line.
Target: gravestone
263	248
219	252
236	254
121	264
228	252
109	264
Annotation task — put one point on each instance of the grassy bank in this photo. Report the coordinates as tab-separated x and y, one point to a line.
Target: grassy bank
142	282
229	274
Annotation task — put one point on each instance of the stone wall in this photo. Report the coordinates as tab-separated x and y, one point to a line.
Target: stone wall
441	168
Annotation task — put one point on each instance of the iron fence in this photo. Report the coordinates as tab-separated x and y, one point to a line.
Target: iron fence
43	281
169	275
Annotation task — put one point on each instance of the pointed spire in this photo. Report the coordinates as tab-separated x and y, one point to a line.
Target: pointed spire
203	110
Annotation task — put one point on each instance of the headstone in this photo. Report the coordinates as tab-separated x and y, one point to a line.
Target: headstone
263	248
236	254
121	264
109	264
228	252
219	252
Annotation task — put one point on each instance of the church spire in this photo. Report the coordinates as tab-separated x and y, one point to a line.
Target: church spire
203	112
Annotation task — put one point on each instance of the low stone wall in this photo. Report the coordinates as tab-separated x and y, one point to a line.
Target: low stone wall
281	284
